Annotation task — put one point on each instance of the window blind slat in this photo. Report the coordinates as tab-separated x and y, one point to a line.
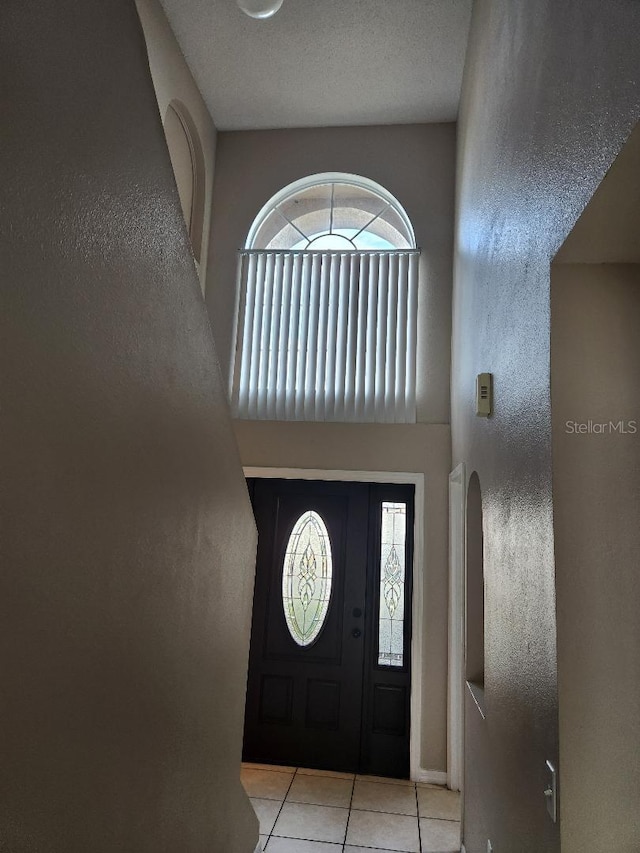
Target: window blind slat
273	347
347	404
336	285
265	337
392	329
401	340
412	334
292	343
324	375
371	340
243	335
379	376
357	404
254	358
303	331
336	412
312	339
281	347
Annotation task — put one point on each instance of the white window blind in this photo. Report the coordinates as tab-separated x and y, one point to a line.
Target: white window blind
326	336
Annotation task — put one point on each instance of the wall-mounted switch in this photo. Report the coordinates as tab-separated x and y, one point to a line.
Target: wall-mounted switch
484	395
551	791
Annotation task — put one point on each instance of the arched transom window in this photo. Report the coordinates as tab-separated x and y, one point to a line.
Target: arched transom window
326	327
335	212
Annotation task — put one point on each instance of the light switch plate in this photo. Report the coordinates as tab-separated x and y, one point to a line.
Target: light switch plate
551	791
484	395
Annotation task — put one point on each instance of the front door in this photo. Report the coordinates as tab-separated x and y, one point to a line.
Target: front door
329	668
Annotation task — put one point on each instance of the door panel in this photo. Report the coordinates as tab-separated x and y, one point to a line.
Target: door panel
387	689
326	704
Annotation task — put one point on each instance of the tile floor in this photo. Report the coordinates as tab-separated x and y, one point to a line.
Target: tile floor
318	811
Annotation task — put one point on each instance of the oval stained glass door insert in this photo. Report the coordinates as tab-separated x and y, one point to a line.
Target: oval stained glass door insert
306	578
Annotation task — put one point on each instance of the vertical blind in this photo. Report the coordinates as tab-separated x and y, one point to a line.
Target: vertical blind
326	336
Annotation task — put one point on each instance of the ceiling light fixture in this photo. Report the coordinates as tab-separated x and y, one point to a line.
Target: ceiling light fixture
260	9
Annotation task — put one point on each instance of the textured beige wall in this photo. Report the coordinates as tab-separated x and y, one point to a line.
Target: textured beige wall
549	97
125	519
174	86
420	448
595	358
414	162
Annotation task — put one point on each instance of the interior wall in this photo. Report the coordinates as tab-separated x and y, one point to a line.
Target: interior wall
414	162
420	448
125	518
595	364
175	86
549	97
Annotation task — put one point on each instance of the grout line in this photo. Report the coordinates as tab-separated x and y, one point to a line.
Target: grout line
320	806
433	817
293	776
418	816
314	841
396	814
346	829
271	768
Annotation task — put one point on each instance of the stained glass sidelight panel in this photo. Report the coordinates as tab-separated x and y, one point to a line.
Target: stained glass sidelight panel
306	578
392	579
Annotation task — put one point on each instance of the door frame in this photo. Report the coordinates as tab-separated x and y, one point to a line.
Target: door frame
416	772
457	563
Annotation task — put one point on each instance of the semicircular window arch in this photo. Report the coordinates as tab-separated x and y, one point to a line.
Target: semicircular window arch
307	575
334	212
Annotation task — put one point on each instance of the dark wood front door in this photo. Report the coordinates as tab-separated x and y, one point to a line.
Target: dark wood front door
329	668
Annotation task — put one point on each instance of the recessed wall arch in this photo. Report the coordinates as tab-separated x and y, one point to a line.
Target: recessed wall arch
474	595
187	159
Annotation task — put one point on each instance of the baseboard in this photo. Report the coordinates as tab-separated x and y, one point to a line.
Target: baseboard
431	777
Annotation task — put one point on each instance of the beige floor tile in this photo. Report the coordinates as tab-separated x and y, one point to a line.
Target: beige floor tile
439	836
439	803
378	797
263	841
314	823
321	791
266	812
265	784
294	845
333	774
385	831
385	780
277	767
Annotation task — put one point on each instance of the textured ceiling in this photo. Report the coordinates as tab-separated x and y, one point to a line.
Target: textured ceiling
325	62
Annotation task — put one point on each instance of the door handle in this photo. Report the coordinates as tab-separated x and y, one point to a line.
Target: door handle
356	633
